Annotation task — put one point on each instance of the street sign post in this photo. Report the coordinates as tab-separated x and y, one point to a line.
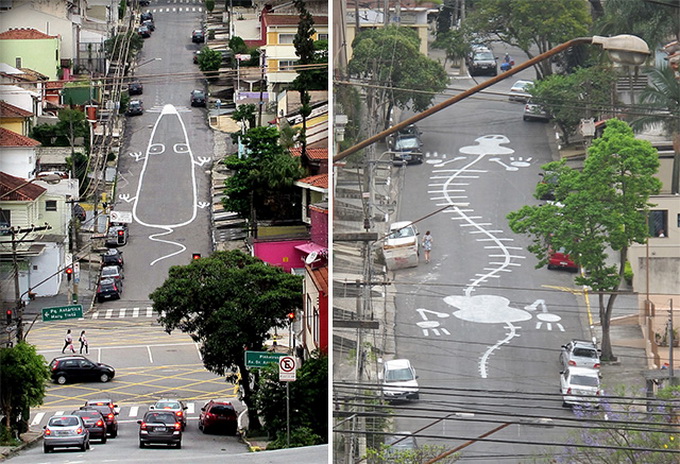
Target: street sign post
261	358
287	369
60	313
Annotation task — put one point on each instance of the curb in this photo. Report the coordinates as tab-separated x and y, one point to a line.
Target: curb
9	451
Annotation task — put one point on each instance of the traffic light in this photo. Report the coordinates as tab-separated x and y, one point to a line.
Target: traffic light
121	237
291	316
196	256
9	316
69	272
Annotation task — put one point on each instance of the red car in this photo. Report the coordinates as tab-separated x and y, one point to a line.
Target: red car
218	415
560	260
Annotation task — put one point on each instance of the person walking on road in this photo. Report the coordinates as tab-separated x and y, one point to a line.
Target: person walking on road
427	245
83	343
68	342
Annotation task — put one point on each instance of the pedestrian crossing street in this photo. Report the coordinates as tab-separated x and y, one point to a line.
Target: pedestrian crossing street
121	313
125	413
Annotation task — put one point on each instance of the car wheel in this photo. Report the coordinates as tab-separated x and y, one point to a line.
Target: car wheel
104	378
47	449
114	433
104	439
179	445
83	447
200	427
141	444
564	404
61	379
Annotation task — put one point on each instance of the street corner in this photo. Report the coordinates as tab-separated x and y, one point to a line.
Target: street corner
224	123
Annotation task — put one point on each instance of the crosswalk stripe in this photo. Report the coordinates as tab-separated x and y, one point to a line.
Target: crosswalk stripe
133	411
190	409
135	312
122	313
109	313
38	417
59	413
95	315
149	312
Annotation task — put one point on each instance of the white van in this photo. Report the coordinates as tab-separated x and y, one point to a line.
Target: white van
399	380
401	248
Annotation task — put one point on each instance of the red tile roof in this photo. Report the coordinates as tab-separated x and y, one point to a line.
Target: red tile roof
20	188
12	139
320	278
11	111
312	153
320	181
25	33
291	20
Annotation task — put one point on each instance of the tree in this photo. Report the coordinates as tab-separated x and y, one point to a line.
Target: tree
627	432
600	208
308	394
209	61
419	455
523	24
402	77
228	303
238	45
663	98
263	178
585	93
304	49
23	375
454	44
245	114
117	46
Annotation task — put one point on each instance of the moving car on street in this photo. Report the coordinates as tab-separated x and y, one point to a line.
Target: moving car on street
580	386
399	381
77	368
518	91
580	353
65	431
94	422
177	407
535	112
107	408
218	416
160	427
482	61
109	289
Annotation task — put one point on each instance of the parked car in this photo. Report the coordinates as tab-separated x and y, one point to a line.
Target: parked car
135	108
535	112
177	407
94	422
160	427
197	36
107	407
197	98
144	31
109	289
150	24
558	259
401	248
581	386
112	257
546	190
112	272
145	16
135	88
580	353
77	368
518	91
218	416
117	235
399	380
144	2
65	431
482	61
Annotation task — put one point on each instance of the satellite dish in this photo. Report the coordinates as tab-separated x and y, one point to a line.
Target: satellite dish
311	257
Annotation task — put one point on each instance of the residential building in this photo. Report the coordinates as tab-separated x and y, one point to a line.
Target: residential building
31	48
15	119
17	154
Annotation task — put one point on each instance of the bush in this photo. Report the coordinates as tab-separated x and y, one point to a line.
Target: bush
210	5
628	273
302	436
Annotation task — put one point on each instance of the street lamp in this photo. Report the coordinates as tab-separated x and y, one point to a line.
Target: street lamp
622	49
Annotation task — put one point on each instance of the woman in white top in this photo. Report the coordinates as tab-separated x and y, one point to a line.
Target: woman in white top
427	245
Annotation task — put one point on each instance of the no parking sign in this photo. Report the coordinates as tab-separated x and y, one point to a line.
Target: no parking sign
287	369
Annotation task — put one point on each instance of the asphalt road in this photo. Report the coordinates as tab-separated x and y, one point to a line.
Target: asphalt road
481	325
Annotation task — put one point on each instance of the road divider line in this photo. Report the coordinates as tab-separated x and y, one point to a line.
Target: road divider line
148	349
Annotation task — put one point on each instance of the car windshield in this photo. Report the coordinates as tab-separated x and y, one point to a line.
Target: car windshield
161	418
584	380
585	353
63	422
484	56
406	143
406	232
399	375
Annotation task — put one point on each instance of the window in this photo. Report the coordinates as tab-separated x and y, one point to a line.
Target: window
17	62
51	205
5	221
286	38
287	65
316	334
323	37
658	223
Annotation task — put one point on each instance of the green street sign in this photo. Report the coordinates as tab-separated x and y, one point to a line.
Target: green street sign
261	358
60	313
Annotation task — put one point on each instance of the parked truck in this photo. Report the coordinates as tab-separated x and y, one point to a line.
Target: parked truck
401	248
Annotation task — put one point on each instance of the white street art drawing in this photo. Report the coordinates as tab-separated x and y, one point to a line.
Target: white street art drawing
172	154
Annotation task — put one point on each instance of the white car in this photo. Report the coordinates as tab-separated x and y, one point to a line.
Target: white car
580	386
580	353
399	381
535	112
112	272
518	91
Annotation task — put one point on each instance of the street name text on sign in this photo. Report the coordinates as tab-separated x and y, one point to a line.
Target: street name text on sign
261	358
60	313
287	369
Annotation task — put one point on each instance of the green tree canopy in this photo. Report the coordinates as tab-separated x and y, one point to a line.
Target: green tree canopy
118	45
209	60
72	123
530	25
585	93
228	303
263	177
309	394
601	208
23	373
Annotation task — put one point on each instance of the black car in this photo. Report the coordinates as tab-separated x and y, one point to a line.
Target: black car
117	235
197	36
109	289
144	32
150	24
135	108
135	88
144	2
78	368
107	408
197	98
160	427
112	257
94	422
145	17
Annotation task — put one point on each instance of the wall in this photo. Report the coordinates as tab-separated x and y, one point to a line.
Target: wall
40	55
281	253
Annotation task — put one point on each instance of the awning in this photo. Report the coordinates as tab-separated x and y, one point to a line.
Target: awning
311	247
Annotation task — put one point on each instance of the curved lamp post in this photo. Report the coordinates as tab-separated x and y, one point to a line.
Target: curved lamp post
622	49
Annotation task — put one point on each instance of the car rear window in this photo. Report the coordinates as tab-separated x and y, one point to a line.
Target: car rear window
222	410
585	353
584	380
161	418
63	422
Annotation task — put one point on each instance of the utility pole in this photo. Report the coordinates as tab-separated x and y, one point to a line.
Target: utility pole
263	57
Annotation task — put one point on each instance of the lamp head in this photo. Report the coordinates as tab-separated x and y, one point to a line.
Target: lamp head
624	49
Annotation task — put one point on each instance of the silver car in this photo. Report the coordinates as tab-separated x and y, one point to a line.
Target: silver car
581	386
65	431
579	353
112	272
399	380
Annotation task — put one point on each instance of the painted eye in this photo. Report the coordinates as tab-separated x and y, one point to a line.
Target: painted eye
156	149
181	148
